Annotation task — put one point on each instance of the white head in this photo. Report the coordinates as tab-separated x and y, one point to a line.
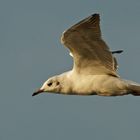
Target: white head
53	84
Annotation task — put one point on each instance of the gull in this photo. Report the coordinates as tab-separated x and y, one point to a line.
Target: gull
94	69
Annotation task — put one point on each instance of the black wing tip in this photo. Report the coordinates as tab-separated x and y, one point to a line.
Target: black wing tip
94	18
95	14
118	51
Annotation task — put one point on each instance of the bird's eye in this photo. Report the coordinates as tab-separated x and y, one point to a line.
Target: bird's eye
49	84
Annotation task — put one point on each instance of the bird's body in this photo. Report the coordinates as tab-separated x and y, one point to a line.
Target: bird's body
102	85
95	68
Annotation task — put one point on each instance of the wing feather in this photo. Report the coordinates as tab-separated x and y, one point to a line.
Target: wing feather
91	54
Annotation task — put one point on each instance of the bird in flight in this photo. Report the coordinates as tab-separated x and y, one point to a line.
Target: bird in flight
94	69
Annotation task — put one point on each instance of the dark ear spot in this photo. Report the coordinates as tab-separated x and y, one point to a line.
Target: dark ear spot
49	84
57	83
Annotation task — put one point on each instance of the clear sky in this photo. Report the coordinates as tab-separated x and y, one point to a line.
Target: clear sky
30	52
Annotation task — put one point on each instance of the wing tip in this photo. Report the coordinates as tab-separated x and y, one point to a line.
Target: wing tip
92	20
95	17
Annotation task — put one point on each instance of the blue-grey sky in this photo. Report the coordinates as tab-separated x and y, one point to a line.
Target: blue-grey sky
30	52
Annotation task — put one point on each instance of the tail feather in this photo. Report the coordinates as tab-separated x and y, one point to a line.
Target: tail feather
134	90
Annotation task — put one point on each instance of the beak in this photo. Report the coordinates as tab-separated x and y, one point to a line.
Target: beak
38	92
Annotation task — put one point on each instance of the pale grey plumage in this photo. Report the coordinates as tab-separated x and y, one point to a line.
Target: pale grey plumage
94	70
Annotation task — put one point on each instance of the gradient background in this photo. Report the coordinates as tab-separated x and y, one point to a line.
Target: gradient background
30	52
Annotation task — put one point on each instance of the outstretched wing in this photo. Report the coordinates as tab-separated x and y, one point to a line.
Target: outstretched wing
90	53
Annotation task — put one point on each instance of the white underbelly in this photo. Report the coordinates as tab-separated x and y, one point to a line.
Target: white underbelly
105	85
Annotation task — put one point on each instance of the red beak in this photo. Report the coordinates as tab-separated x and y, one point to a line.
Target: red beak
38	92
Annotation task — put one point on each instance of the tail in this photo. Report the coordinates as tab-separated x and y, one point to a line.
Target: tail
134	88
